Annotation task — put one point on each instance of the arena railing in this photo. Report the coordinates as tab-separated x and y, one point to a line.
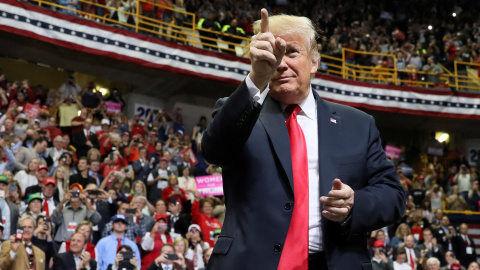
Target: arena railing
170	31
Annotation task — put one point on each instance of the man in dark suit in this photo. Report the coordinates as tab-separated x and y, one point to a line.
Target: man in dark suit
142	166
75	258
8	210
178	222
306	202
85	140
464	247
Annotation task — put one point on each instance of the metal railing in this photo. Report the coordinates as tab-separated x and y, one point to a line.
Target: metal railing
134	19
464	77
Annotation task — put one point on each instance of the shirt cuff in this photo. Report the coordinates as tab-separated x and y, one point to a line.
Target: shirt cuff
255	92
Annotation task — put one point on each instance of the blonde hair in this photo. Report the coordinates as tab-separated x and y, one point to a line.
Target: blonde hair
181	239
398	232
283	24
132	190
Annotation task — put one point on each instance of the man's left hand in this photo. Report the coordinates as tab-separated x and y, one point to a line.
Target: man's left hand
339	202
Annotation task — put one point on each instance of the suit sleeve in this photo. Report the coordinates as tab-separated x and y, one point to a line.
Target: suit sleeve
5	259
233	120
19	158
382	200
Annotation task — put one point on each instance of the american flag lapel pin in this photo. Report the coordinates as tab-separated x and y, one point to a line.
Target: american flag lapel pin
333	120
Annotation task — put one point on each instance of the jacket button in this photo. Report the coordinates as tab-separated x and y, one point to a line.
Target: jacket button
288	206
277	248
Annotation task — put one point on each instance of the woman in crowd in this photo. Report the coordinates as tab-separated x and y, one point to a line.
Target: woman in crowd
115	182
62	181
66	161
93	155
15	196
186	181
180	245
197	244
173	190
456	202
27	177
34	205
42	237
153	241
9	175
204	218
402	231
85	227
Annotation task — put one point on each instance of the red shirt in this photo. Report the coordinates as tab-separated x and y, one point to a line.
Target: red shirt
207	224
78	128
138	129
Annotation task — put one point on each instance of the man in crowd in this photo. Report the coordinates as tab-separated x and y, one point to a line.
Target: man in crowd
452	262
413	254
107	246
85	140
5	152
380	261
24	155
157	180
142	166
52	128
82	176
75	258
134	229
433	263
103	203
315	190
57	150
67	218
162	262
19	253
464	246
94	171
430	245
401	262
178	221
9	212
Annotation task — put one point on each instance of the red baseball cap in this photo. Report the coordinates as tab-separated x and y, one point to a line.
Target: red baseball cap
50	180
42	167
161	216
379	243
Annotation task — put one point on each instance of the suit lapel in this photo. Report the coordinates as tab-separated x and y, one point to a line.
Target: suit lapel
273	121
329	144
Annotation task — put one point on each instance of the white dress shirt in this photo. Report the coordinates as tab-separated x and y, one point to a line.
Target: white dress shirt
307	119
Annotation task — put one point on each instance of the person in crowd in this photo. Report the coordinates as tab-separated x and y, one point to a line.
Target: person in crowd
42	238
48	191
402	231
78	121
436	196
56	151
140	203
187	181
452	262
139	189
157	180
180	245
433	71
474	197
157	153
67	162
24	155
21	125
104	204
120	261
75	257
463	180
67	111
19	252
94	171
67	216
231	32
143	166
136	226
401	261
153	241
433	264
161	206
6	154
70	88
474	266
380	235
197	244
209	23
464	247
42	175
82	176
456	202
178	222
430	245
85	227
34	206
106	250
164	263
8	211
85	140
62	182
52	129
414	256
27	177
173	191
204	218
380	261
90	98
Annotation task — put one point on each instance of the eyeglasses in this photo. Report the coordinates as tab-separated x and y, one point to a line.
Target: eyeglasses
84	230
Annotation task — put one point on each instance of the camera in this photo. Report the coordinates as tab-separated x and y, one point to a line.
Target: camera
136	140
47	219
75	194
131	211
94	192
172	257
127	255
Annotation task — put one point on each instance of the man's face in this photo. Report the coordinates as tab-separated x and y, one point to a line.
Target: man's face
158	147
433	266
48	190
82	165
174	208
163	165
138	203
4	187
464	229
52	122
95	166
427	236
381	235
290	83
42	175
77	242
401	258
87	124
122	209
143	153
28	228
160	207
409	242
449	257
58	143
41	147
167	250
445	221
119	227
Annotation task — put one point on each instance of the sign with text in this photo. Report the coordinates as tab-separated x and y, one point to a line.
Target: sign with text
210	185
143	110
113	107
193	158
392	152
31	110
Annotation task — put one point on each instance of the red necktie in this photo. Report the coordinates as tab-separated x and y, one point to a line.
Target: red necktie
295	249
119	243
412	262
45	207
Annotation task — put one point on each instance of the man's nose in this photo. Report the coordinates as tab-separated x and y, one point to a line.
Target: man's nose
283	65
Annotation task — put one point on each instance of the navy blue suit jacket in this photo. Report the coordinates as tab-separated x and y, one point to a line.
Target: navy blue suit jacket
251	143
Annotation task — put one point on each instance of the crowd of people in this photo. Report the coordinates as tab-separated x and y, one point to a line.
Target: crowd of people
86	189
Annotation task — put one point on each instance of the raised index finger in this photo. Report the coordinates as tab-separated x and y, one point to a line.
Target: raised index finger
264	22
